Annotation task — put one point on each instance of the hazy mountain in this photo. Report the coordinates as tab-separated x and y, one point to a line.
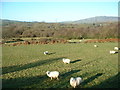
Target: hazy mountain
97	19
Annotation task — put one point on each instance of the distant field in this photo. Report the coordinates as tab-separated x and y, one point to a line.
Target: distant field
25	66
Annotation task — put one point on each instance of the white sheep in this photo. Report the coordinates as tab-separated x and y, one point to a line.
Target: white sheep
66	60
75	81
52	74
80	40
95	46
116	48
46	53
113	52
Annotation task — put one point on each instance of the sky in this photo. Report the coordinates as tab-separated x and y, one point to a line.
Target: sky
59	0
56	11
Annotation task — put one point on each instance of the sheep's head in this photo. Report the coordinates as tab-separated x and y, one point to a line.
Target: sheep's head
47	72
71	79
46	51
63	58
80	79
73	82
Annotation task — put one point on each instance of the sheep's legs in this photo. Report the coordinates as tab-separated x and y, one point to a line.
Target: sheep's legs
51	78
57	78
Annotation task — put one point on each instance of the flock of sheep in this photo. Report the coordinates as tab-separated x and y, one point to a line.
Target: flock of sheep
111	51
74	82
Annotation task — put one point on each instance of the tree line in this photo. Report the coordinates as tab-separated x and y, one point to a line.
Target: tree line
59	30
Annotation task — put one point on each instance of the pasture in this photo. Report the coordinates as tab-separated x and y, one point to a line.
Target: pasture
25	66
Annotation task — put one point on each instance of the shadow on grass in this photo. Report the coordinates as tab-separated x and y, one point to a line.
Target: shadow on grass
75	61
65	78
91	78
87	80
23	82
32	82
69	73
96	60
112	82
39	81
29	65
51	53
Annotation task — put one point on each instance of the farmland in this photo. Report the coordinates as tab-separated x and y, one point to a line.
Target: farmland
38	37
25	66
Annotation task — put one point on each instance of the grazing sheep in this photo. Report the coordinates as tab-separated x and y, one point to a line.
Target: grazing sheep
80	40
66	60
95	46
116	48
52	74
46	53
113	52
75	81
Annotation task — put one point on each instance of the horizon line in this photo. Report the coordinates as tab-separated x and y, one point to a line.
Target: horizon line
55	20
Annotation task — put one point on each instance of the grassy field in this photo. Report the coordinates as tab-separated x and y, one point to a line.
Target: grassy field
25	66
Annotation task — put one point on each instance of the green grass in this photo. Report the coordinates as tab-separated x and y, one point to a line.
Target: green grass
25	66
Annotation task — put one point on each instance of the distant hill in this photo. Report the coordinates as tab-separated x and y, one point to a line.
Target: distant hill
97	19
6	20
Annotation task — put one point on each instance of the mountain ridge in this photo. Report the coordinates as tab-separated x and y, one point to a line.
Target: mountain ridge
96	19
